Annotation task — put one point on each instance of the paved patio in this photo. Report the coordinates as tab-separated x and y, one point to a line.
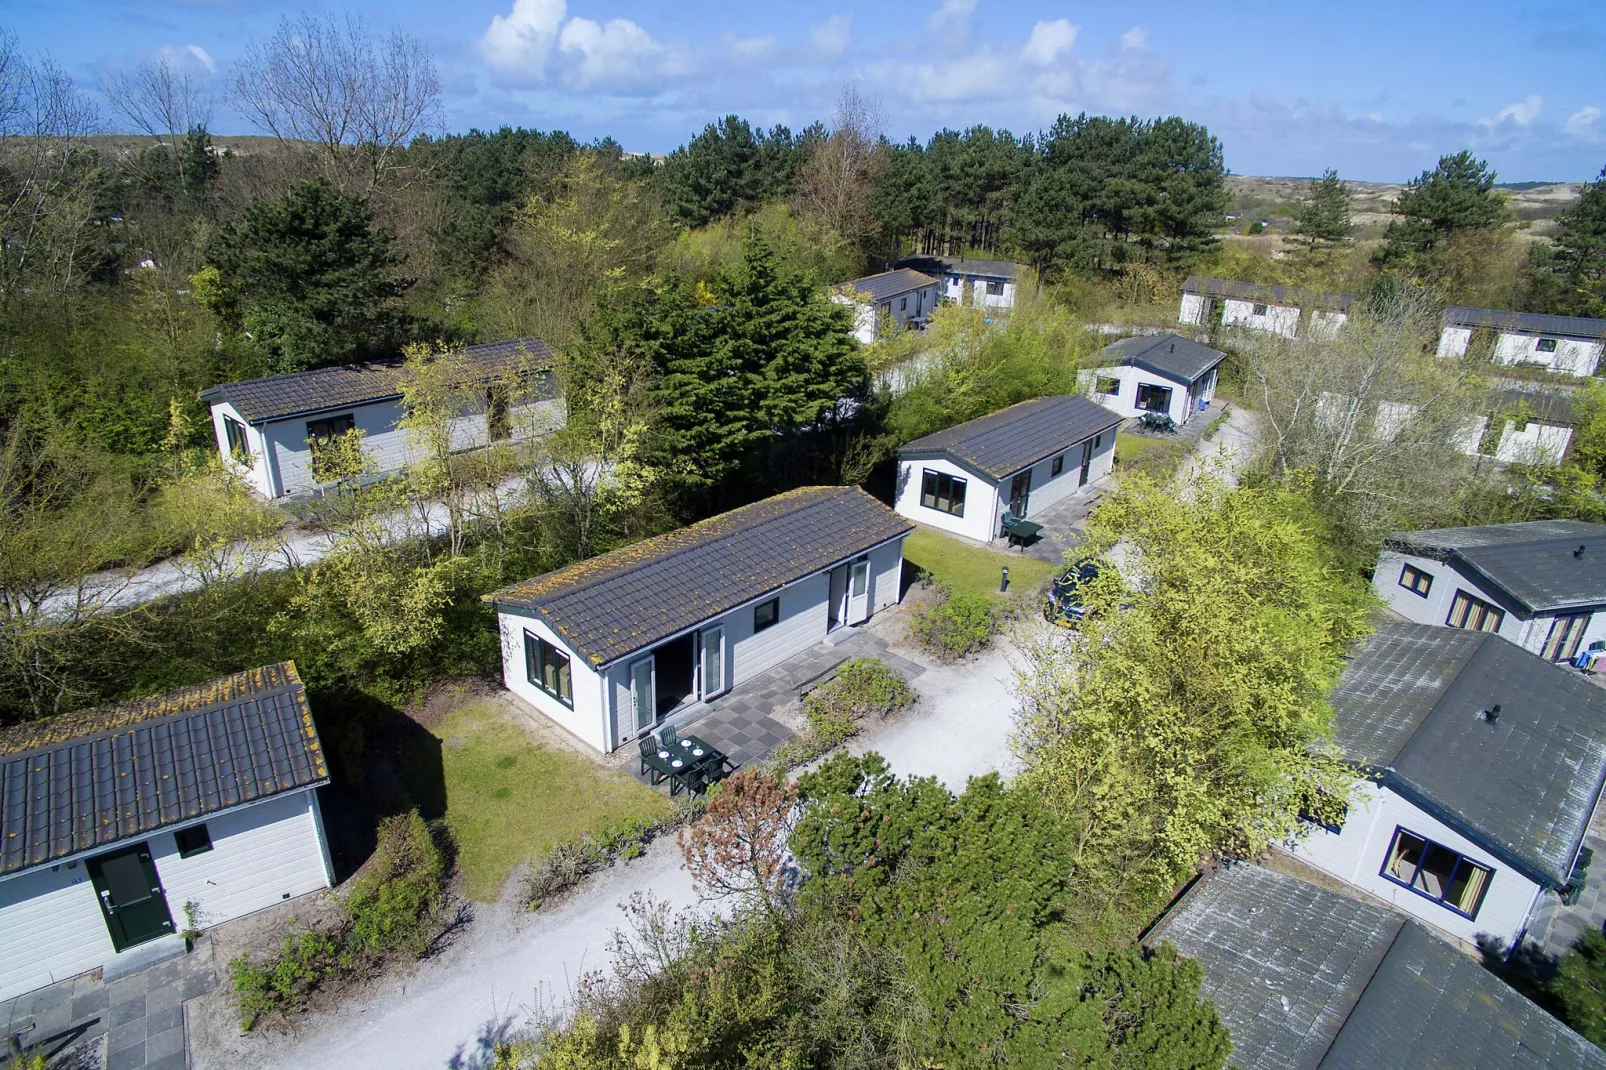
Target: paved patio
1064	523
133	1022
1555	928
741	723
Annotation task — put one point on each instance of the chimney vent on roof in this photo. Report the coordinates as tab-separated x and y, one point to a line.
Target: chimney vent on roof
1580	551
1173	347
1492	714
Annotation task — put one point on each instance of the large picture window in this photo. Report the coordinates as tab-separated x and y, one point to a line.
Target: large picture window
995	288
1415	580
1546	345
1154	398
1474	614
942	492
1565	634
1435	872
548	668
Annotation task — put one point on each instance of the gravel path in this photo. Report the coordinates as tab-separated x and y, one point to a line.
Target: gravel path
1231	446
449	1011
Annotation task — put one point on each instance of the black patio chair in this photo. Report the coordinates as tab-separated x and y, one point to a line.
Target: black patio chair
668	734
648	747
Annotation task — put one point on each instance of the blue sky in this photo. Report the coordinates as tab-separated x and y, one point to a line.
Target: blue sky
1377	90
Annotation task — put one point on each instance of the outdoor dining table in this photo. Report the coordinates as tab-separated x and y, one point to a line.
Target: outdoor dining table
683	757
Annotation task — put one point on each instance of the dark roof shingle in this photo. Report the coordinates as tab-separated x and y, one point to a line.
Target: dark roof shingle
1411	702
1269	294
94	778
1525	322
1307	979
1535	563
1009	440
635	596
962	265
339	386
1171	355
889	283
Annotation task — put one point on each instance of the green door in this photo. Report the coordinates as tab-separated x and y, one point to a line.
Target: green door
130	896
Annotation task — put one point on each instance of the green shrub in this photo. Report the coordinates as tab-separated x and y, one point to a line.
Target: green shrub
861	688
281	985
957	626
396	901
567	864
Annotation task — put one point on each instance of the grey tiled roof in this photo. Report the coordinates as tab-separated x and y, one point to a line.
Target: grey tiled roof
1284	961
1268	294
1525	322
1305	978
1012	439
962	265
1544	406
1533	563
1171	355
890	283
97	777
1429	1005
340	386
635	596
1411	702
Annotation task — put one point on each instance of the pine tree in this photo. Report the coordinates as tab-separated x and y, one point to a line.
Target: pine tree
1456	197
1322	220
1578	257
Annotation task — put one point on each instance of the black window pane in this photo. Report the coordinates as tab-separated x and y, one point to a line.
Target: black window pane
125	879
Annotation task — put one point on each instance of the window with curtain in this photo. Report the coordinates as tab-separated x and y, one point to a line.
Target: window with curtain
1474	614
1435	872
1154	398
1565	634
239	445
942	492
1415	580
548	668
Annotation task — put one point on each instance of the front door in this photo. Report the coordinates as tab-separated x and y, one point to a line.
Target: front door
836	609
1087	462
713	662
1020	494
859	593
130	896
643	687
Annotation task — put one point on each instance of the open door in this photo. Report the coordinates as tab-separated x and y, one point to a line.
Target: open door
131	896
713	662
1020	494
859	593
836	609
643	688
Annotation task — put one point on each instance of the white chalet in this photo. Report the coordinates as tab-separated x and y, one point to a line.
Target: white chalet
112	819
611	647
1284	310
267	429
1569	344
1164	373
1022	459
1478	766
902	297
966	281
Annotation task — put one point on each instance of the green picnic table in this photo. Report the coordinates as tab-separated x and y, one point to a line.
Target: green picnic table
1019	531
687	761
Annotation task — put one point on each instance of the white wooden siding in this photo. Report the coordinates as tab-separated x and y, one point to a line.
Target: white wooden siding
1124	402
886	576
1048	490
985	500
1576	356
955	283
258	473
1277	319
1193	309
1453	341
51	926
1356	855
588	719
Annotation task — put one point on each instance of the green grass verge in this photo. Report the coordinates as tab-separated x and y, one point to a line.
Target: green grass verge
967	569
1157	457
509	798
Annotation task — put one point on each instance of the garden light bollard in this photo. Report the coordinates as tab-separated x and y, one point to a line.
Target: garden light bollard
1003	578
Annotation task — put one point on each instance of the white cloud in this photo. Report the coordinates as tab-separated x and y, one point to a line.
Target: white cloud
203	57
611	54
832	36
1048	40
1523	113
519	45
1583	123
750	47
952	17
1135	40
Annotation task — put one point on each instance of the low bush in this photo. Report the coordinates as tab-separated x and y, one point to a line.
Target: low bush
862	688
570	862
395	904
958	626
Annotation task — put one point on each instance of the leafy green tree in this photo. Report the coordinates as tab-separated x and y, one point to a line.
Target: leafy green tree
310	278
1580	986
1191	717
727	168
905	194
1455	198
1321	220
198	167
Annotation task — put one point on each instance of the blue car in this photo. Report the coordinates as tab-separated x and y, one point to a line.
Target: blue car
1062	605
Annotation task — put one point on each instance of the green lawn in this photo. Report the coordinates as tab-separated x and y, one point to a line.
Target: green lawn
509	798
1158	457
970	569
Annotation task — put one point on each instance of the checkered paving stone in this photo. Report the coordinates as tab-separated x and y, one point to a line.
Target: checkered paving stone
739	723
1555	928
135	1022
